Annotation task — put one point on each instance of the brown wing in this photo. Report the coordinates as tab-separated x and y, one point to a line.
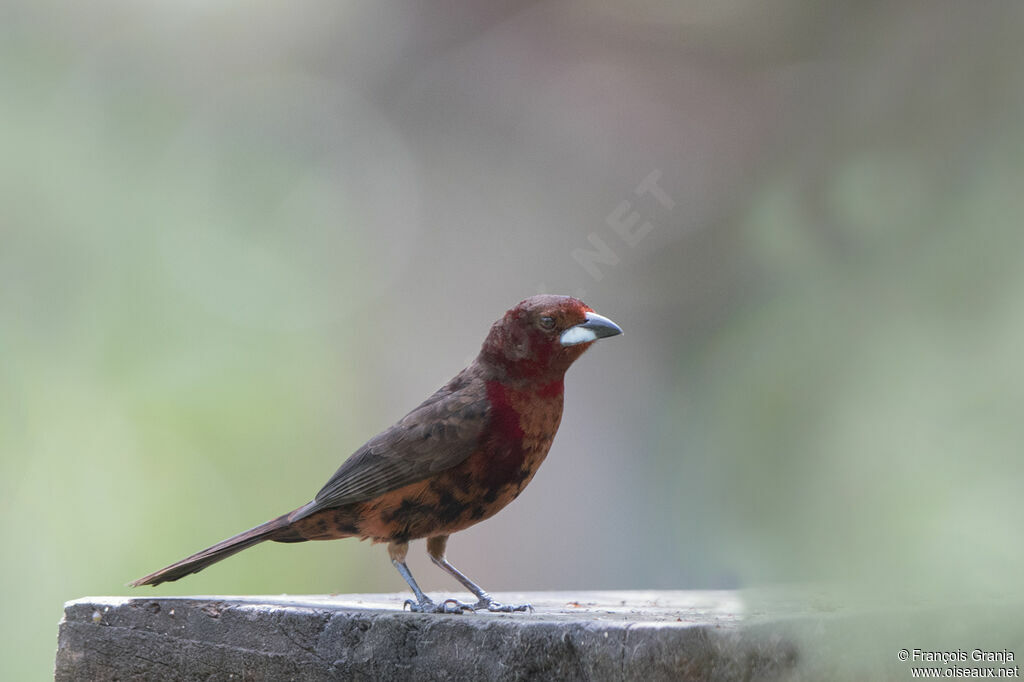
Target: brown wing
440	433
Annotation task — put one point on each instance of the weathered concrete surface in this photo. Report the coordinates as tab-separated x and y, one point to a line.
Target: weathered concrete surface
589	635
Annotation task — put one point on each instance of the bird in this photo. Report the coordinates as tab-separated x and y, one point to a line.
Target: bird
455	460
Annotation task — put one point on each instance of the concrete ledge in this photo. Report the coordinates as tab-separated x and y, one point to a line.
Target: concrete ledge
584	635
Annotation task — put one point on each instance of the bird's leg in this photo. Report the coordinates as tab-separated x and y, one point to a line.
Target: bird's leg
435	548
423	604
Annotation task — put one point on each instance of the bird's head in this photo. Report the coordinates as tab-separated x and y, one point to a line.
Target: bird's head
540	337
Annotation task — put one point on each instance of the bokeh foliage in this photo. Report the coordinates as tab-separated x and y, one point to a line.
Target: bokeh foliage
238	239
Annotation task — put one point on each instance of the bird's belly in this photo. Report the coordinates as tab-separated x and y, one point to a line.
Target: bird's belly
446	503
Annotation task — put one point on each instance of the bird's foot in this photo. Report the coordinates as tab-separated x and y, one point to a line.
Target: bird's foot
488	604
426	605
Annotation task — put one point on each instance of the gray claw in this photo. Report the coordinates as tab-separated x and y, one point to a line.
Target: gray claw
452	606
496	607
428	606
455	606
425	606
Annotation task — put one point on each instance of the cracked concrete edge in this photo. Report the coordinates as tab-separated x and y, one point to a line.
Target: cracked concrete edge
220	638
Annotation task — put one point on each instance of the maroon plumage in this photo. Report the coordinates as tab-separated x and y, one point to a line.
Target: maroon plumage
455	460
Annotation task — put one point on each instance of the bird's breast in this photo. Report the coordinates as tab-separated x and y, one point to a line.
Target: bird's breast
522	426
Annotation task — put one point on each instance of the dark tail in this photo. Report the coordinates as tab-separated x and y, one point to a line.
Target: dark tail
276	529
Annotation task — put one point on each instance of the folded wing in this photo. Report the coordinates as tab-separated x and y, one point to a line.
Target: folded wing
439	434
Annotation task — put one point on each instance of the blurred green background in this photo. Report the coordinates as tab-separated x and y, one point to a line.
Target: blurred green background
238	239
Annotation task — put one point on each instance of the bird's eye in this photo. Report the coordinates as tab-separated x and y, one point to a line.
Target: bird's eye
547	322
